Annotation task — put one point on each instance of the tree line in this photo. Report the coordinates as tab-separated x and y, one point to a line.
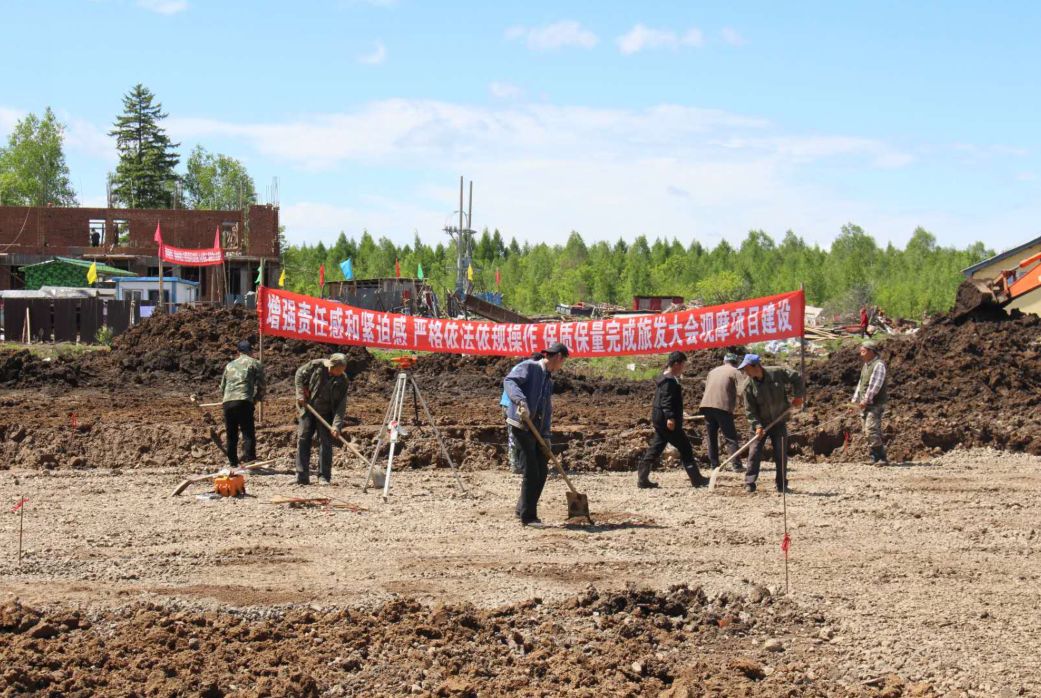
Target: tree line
919	278
33	171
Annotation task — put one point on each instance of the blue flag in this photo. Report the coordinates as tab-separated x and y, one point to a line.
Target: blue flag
348	271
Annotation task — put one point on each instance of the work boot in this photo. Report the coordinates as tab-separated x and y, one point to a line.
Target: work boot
646	484
324	481
783	488
750	487
874	455
696	478
882	459
532	523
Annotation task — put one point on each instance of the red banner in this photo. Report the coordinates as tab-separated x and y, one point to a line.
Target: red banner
190	258
286	314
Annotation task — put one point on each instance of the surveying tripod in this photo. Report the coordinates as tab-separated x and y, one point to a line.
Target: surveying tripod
391	427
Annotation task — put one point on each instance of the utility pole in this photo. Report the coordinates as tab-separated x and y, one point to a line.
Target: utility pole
463	237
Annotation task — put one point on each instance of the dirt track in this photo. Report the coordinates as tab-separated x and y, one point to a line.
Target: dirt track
929	571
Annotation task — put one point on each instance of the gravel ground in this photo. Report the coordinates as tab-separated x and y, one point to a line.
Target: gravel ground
926	570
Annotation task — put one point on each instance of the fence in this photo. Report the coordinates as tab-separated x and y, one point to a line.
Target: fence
66	319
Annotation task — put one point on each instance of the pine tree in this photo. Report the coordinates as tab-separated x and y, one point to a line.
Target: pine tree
145	175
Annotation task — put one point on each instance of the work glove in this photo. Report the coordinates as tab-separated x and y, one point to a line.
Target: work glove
759	432
300	402
522	411
796	402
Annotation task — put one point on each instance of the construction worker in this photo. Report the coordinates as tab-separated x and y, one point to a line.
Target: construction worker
767	402
529	387
717	406
320	383
870	398
241	386
511	445
667	420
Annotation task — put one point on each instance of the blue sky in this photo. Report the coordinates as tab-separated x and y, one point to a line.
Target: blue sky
691	120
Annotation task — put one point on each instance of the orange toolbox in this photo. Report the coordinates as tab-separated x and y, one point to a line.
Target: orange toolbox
230	485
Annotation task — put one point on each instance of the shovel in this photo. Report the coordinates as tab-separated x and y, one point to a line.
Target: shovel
335	433
214	436
715	473
577	503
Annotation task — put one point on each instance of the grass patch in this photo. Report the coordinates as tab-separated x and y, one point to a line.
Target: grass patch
60	350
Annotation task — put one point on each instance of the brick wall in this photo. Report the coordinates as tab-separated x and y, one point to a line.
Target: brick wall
66	231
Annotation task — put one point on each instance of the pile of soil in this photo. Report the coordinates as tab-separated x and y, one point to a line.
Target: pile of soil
190	346
958	382
630	642
196	343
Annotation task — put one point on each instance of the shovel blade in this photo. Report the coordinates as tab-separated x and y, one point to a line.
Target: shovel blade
578	506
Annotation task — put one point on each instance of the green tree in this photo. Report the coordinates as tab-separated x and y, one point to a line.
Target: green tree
32	166
145	176
217	182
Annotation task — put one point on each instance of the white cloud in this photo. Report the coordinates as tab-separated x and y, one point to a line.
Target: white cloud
164	7
542	170
553	36
376	56
642	37
505	90
732	37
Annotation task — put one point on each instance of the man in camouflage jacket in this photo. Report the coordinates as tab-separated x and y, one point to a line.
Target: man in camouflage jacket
320	383
241	386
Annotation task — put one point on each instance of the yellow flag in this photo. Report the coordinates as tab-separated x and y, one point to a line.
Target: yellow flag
469	272
92	273
282	279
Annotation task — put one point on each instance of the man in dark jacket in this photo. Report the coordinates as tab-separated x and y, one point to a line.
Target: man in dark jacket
667	419
717	406
766	400
529	387
320	383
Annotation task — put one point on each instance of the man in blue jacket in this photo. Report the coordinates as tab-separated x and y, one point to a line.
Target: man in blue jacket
529	386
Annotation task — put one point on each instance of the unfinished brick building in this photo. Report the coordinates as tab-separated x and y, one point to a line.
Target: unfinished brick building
123	238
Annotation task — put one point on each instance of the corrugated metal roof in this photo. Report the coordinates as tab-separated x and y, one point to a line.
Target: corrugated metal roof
969	271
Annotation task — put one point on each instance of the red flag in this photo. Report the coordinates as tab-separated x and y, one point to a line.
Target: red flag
20	503
73	421
397	268
321	275
786	543
216	239
158	234
498	277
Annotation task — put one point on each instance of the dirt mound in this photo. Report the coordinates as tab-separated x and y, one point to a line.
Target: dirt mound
22	368
674	643
958	382
196	343
189	346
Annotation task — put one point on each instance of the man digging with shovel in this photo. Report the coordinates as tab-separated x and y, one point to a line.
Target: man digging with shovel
320	383
767	407
529	386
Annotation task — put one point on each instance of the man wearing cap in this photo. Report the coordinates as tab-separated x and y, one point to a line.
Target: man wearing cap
718	404
667	420
529	387
320	383
766	401
241	386
870	398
